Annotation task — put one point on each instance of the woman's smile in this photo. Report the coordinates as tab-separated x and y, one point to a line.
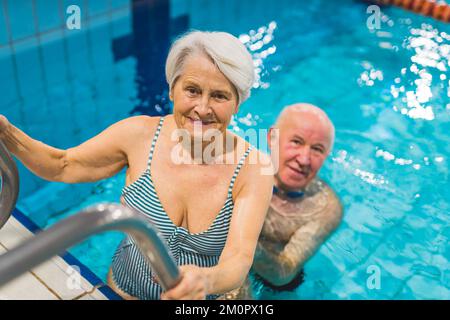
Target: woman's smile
200	122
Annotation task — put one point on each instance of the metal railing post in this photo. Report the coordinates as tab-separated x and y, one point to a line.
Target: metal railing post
96	219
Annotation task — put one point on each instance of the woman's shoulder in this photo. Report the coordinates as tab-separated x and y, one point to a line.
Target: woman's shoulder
142	121
139	125
255	156
258	166
135	131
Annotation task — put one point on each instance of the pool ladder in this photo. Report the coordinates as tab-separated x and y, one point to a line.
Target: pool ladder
10	184
95	219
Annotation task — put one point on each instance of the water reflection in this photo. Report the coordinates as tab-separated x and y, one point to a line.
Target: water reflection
370	75
353	164
430	61
260	44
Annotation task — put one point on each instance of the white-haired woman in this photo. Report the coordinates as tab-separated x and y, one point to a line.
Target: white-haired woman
209	212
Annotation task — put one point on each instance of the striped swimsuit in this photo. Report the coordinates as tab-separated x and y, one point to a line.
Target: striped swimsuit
130	271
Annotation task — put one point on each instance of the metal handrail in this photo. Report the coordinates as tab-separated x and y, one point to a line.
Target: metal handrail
96	219
9	186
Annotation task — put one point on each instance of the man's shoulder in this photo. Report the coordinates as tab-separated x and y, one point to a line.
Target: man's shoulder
320	185
334	204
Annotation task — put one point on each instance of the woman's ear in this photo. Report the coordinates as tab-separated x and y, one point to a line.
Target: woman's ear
171	95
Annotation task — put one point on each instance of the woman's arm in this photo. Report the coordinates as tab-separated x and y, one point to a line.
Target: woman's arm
100	157
249	212
250	209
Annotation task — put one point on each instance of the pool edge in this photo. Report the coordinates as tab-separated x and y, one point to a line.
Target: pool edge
70	259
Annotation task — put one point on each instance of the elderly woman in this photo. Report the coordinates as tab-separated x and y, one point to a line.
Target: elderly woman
209	212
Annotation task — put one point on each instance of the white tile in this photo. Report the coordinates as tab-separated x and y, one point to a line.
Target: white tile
20	228
57	275
97	295
13	233
25	287
54	273
86	297
86	285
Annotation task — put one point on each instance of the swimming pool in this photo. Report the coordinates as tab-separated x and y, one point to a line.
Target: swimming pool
387	92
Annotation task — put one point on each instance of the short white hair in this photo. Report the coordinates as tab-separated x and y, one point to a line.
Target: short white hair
226	51
309	108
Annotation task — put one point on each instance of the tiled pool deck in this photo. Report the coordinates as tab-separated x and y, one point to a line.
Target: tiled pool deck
52	280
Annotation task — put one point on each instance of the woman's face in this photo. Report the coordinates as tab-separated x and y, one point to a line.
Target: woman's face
203	97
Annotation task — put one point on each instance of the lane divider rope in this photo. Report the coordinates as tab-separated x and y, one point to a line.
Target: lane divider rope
436	9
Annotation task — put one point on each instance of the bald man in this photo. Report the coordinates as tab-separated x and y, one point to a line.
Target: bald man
304	210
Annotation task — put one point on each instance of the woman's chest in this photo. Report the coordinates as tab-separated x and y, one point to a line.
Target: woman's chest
191	196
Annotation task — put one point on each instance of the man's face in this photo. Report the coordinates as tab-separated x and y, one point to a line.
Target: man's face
304	144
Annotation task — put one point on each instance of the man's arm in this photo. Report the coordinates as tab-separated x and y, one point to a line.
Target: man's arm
281	267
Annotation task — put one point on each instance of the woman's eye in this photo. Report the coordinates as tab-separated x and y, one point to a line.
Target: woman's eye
220	96
191	90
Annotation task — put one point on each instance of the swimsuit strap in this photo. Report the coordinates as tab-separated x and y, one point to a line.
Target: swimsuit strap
238	168
155	137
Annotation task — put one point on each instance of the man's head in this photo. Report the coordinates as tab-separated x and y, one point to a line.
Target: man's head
306	137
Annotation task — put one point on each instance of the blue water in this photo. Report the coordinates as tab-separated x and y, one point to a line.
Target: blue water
387	92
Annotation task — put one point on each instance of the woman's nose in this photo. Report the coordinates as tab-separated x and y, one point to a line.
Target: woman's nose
203	108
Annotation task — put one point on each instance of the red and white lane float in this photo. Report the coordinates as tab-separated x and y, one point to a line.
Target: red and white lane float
439	10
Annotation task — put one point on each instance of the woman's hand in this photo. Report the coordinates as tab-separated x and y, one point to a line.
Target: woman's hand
193	285
4	124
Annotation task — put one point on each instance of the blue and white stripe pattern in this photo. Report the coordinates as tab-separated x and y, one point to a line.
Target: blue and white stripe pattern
130	271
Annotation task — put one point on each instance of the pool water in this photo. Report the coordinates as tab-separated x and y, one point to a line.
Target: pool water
387	92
